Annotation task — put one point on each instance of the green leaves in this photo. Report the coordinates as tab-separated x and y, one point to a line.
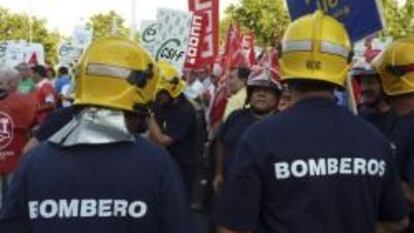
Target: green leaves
105	24
266	18
399	20
15	26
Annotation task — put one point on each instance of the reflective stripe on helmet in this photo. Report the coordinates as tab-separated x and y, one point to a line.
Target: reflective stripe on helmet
328	47
295	46
306	45
108	70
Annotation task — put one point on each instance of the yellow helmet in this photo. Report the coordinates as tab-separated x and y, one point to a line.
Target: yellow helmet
396	67
316	47
170	79
116	73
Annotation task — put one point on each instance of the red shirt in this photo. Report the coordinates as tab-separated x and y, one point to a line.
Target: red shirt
44	94
17	116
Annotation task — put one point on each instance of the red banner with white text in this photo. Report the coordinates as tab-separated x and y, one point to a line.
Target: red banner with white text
207	37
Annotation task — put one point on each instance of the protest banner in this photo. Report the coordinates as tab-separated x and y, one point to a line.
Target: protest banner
172	36
209	43
149	35
361	18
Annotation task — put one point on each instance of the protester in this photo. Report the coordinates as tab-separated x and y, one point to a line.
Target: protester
95	175
44	93
50	73
26	84
236	84
374	107
172	124
315	167
263	92
397	77
17	117
62	86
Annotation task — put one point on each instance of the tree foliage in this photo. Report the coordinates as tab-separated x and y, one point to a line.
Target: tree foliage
399	20
15	26
267	19
110	23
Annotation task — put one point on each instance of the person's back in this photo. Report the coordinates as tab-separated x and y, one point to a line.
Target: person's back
314	168
334	181
93	174
107	192
17	116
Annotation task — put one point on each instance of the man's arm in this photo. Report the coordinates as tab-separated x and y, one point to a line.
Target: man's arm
157	135
46	107
408	191
393	211
219	174
392	227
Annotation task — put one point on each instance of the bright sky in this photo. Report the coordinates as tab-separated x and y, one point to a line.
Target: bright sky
63	15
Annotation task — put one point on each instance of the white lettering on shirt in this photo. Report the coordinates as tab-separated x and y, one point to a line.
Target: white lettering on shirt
329	167
86	208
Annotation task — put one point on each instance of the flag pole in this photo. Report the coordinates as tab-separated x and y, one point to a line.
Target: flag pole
29	15
133	21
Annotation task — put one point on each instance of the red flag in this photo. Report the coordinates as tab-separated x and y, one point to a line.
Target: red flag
371	54
233	56
219	103
248	49
197	32
33	60
270	59
209	43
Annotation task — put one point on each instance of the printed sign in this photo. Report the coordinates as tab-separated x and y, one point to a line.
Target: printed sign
172	36
149	35
209	45
361	18
14	52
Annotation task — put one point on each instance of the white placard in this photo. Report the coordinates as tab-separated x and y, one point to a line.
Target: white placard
149	35
172	36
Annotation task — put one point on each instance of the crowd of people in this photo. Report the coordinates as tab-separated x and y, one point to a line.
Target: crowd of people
127	144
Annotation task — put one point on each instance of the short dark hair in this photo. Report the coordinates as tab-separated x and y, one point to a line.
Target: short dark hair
63	70
243	73
305	85
40	70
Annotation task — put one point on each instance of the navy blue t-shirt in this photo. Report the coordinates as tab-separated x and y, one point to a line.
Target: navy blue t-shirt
402	135
384	122
178	121
313	168
233	129
121	187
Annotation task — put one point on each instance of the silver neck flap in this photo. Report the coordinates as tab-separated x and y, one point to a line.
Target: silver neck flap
94	126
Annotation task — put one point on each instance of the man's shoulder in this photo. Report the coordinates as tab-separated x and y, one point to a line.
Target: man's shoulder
292	122
237	114
140	148
184	106
404	128
19	106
